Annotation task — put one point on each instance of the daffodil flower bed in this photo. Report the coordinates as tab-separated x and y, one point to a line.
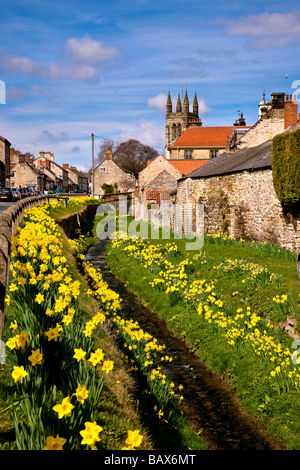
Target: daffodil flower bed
244	325
143	352
57	370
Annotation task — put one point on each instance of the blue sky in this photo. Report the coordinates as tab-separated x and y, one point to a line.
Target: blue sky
73	68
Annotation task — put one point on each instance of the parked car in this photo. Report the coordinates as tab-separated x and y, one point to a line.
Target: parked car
31	191
24	192
6	194
16	194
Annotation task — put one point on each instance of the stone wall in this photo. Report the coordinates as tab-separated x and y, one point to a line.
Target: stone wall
82	220
261	131
243	205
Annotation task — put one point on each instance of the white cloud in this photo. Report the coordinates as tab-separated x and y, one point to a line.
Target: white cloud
76	65
89	51
159	102
277	29
204	110
266	24
147	133
20	64
74	72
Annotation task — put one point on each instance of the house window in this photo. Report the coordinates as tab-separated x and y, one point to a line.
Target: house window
213	153
188	154
102	168
13	174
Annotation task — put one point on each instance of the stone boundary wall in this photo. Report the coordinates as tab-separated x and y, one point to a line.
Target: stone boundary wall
9	221
242	205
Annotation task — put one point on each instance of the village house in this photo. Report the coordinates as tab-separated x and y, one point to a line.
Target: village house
55	172
109	173
24	174
274	117
159	179
77	178
4	162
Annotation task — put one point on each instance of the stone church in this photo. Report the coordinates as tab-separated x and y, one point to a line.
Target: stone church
186	137
177	122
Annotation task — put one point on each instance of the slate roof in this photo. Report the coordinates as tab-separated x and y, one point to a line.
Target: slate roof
254	158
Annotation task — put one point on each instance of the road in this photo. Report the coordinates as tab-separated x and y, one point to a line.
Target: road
4	206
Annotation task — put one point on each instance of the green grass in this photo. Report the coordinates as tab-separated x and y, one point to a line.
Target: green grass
247	376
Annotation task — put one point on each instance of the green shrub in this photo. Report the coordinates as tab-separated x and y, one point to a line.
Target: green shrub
286	168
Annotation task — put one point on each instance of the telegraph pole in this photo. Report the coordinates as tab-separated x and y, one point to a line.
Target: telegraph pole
93	186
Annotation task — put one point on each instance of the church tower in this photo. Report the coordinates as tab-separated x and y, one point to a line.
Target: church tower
178	121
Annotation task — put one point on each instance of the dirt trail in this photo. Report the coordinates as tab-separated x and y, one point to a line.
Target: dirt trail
209	404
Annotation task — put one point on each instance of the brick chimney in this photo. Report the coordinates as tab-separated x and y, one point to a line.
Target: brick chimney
45	163
290	112
66	166
108	154
277	100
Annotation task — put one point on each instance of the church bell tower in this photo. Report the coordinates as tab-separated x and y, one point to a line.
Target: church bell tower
177	122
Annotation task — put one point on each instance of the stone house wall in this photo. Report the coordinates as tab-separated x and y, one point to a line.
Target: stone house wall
110	173
242	205
24	175
261	131
198	153
155	168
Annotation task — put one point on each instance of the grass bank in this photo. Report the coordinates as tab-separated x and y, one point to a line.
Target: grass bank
228	301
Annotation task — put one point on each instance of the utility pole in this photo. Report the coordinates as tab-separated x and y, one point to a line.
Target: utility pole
93	186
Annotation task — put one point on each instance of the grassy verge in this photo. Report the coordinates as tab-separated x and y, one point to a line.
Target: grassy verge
249	289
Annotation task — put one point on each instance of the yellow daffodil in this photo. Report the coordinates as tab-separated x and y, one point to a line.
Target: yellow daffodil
54	443
36	357
64	408
19	373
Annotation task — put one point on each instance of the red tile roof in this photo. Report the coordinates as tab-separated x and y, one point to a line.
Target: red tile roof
209	136
186	166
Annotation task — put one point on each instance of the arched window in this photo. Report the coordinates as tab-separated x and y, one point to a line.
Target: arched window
174	132
179	130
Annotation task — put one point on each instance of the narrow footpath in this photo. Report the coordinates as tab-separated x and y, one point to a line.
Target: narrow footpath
209	403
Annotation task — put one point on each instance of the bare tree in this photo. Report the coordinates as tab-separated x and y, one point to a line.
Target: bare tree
132	156
103	146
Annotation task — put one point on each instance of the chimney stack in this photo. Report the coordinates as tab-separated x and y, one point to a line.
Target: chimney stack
108	154
66	166
291	116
